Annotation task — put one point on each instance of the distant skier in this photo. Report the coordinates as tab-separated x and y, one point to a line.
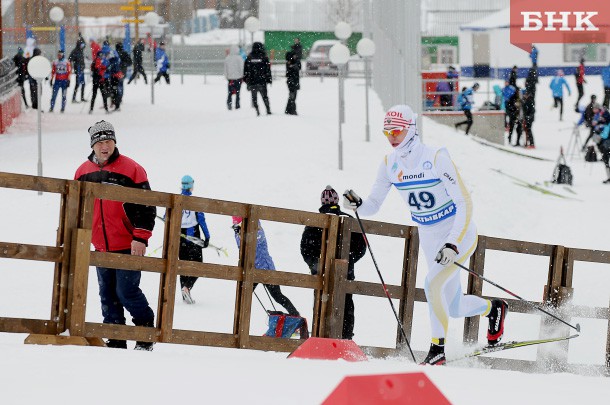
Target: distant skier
138	50
162	62
263	261
191	222
580	81
234	73
557	84
440	204
77	58
60	79
466	100
257	74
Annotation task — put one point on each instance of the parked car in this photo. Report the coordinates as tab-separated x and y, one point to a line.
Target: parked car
318	61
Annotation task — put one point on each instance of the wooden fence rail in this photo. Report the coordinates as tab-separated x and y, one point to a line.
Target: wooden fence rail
72	256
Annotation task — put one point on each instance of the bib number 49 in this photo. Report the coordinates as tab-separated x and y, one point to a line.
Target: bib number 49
423	199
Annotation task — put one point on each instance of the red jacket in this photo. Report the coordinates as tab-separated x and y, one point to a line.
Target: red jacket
581	74
100	69
117	224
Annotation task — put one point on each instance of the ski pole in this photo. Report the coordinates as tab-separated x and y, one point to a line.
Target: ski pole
260	302
269	296
577	327
385	288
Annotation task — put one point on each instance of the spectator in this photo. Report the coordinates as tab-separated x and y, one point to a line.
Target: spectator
191	222
606	80
466	100
113	73
297	49
452	76
311	248
604	147
513	75
510	95
60	79
518	122
531	81
162	62
499	100
119	228
95	48
557	84
234	73
443	89
588	115
580	80
77	58
21	63
257	74
30	45
138	67
263	261
124	61
98	73
293	70
534	56
529	114
34	82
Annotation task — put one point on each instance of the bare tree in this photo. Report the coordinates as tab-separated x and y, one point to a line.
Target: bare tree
344	10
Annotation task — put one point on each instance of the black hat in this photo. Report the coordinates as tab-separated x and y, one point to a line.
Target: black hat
329	196
101	131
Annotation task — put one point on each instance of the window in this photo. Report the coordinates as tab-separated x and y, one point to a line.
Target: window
590	52
447	54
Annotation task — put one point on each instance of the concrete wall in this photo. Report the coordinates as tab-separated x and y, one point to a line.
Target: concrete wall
488	125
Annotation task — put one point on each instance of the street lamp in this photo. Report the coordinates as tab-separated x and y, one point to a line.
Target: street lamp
366	49
39	67
339	55
152	19
252	24
56	14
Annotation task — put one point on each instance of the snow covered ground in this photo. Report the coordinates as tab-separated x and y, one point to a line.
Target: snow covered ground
286	161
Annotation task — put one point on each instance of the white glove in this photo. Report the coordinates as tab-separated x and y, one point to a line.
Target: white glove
447	254
351	200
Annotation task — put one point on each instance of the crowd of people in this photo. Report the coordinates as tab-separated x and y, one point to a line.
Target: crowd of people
255	71
108	68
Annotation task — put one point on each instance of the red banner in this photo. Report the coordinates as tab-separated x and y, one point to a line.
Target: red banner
559	21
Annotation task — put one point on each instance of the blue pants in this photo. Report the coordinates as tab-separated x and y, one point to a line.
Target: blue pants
63	85
121	288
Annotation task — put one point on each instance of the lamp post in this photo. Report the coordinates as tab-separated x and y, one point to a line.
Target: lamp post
366	49
339	55
56	14
39	67
252	24
152	19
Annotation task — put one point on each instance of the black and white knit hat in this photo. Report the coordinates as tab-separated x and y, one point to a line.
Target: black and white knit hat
329	196
101	131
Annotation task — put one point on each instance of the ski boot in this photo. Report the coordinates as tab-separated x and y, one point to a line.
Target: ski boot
116	344
497	315
186	295
145	346
436	355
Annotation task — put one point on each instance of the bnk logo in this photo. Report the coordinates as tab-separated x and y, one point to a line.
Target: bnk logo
559	21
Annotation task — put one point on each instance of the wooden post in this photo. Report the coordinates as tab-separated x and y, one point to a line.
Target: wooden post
409	276
475	287
331	246
167	297
79	269
68	222
337	281
247	285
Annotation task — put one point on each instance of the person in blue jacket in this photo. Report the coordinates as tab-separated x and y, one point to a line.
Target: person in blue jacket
191	222
162	62
466	100
263	261
556	86
606	80
534	55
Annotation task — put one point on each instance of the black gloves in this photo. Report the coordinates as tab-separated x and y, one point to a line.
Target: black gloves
206	243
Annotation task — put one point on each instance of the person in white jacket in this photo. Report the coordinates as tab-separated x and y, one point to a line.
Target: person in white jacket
234	72
440	204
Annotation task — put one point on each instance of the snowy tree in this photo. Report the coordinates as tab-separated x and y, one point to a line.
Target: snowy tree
349	11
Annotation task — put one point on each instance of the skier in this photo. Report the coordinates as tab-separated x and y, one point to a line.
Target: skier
162	62
138	49
580	81
466	100
440	204
191	221
61	73
556	87
263	261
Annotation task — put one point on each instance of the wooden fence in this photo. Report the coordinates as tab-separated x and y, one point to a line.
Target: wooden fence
72	256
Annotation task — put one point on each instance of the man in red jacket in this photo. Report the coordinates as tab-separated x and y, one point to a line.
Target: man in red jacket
119	228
